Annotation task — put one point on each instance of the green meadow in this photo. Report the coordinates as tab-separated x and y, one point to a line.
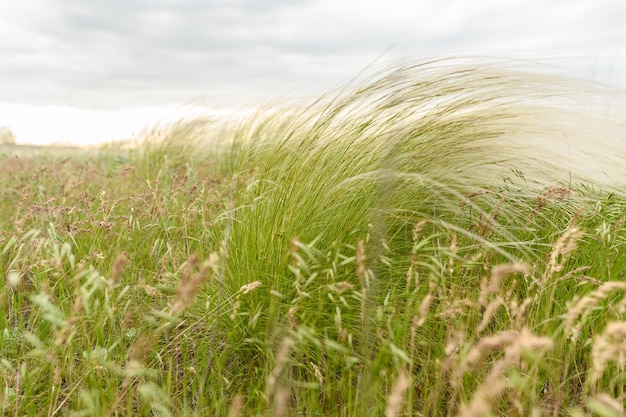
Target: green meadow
441	239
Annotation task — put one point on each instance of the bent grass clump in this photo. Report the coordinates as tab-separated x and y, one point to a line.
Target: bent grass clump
443	239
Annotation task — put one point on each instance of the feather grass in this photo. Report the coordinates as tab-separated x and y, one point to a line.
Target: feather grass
411	143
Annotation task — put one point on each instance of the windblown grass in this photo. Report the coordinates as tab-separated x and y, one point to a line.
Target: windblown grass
442	239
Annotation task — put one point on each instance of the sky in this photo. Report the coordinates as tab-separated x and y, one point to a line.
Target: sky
87	71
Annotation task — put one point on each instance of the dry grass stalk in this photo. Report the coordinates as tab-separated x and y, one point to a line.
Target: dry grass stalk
454	247
189	287
246	288
610	346
491	309
467	199
414	324
236	406
525	341
412	272
498	273
610	403
518	311
482	401
360	261
292	317
191	264
455	307
343	333
417	229
581	307
396	396
574	219
281	403
281	360
566	244
618	226
341	286
454	339
487	222
494	384
424	309
65	334
150	290
498	341
508	341
578	270
137	354
293	250
119	264
555	194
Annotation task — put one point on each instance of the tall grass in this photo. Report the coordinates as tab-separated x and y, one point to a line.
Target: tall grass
410	144
439	239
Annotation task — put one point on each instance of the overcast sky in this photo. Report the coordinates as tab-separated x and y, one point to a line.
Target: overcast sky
110	67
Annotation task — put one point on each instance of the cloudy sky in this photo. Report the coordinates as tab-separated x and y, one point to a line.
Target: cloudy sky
89	70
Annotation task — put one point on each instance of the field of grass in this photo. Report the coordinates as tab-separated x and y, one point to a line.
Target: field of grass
445	239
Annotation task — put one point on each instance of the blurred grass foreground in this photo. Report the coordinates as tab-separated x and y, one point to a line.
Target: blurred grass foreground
440	239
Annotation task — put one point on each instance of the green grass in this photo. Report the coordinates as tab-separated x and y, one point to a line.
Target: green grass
441	239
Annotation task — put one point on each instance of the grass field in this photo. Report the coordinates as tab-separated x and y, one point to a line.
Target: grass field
445	239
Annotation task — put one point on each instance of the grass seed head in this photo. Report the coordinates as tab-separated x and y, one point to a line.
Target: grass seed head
566	244
581	307
119	264
246	288
610	346
396	396
189	287
493	286
282	357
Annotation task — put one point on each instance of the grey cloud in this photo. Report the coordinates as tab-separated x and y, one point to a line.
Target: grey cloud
122	53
